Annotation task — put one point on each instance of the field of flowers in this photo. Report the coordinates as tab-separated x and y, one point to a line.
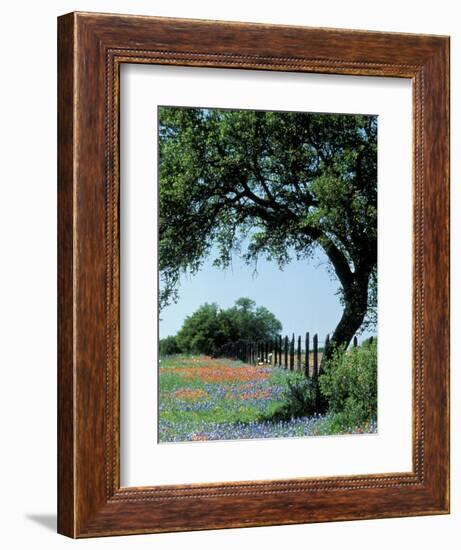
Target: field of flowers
202	399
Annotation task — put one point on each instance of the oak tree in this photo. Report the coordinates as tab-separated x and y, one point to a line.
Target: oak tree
270	184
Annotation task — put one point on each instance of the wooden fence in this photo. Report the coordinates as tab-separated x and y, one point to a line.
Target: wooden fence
289	353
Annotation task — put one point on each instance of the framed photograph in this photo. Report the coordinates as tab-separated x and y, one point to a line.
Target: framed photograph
253	275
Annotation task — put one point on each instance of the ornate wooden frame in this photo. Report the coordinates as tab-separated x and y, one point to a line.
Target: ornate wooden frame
91	48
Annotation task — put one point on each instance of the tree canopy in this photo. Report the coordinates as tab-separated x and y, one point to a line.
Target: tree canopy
270	184
210	327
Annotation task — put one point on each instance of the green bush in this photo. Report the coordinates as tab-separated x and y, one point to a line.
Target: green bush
169	346
349	385
300	398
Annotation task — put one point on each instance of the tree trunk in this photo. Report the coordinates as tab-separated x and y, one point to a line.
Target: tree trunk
355	309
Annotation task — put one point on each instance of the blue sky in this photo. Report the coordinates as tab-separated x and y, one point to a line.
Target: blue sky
302	296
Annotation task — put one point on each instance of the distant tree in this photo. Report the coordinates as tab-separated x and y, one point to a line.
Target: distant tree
202	331
211	327
245	321
270	184
168	346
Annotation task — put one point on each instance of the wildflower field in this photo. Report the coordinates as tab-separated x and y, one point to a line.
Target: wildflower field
201	399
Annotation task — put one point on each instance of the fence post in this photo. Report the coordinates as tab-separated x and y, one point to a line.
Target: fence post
316	355
286	352
327	345
299	353
292	352
306	368
355	341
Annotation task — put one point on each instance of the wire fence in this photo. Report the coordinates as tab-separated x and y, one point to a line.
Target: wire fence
295	353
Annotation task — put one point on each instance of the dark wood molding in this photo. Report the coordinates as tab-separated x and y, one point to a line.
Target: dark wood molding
91	49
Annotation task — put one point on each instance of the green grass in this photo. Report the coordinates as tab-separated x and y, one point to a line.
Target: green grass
202	398
199	392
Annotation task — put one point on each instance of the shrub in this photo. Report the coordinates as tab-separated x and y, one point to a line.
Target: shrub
168	346
342	423
349	385
300	398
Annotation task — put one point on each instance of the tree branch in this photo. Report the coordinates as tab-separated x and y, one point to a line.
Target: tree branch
339	261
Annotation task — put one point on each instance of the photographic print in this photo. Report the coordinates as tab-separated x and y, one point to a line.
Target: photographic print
218	230
267	267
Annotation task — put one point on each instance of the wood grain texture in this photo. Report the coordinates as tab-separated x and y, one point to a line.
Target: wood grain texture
66	471
91	49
